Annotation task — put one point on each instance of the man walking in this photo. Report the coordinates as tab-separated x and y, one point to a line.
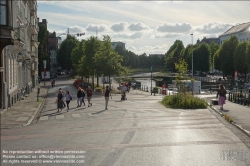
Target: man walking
79	97
107	94
89	95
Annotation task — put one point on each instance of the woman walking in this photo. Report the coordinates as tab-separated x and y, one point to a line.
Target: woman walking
68	98
89	95
60	101
222	96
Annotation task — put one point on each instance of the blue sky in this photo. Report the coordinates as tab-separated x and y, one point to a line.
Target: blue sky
145	26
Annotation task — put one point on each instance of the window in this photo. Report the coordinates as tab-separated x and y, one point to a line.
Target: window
3	12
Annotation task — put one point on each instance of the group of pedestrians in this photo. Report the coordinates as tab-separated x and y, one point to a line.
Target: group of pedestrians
81	95
68	97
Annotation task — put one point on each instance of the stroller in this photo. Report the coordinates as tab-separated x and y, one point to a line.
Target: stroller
123	96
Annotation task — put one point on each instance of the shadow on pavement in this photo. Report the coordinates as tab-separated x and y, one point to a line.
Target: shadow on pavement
97	112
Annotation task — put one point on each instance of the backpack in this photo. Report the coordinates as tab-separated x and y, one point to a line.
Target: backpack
70	97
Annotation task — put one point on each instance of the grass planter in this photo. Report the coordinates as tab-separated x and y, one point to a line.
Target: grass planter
184	101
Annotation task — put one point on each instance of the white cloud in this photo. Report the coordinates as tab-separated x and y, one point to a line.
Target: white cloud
214	27
162	35
174	27
99	28
117	27
138	27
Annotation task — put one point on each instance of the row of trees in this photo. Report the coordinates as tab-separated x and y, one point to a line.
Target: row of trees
231	56
95	57
132	60
90	57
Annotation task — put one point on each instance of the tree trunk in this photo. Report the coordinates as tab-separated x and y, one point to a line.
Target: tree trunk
109	82
97	81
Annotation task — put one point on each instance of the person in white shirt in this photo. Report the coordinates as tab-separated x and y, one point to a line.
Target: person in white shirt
68	97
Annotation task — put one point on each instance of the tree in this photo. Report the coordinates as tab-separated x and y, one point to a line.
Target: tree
240	58
203	63
76	55
226	56
173	54
248	55
213	48
64	52
182	68
217	61
41	55
108	59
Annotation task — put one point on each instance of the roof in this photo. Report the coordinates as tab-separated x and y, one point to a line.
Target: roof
238	28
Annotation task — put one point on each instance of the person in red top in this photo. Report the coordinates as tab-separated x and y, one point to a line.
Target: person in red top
89	95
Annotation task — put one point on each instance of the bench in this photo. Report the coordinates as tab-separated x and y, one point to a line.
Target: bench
214	102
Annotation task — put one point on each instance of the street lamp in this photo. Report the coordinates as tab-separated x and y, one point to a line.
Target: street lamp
151	78
44	72
192	65
192	57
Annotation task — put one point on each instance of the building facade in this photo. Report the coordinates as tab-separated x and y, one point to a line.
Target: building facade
241	31
54	43
114	44
21	59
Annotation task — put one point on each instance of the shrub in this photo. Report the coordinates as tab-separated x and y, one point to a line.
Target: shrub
184	101
155	90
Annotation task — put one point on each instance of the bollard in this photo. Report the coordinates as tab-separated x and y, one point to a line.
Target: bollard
38	91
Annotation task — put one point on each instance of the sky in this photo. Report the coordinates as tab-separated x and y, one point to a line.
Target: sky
149	27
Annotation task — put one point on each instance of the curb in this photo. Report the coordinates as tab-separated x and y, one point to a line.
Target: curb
233	123
38	111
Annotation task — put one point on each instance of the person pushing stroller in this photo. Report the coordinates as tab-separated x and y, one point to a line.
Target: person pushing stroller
123	95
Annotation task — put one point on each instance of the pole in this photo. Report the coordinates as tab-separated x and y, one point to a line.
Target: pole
44	75
151	80
192	65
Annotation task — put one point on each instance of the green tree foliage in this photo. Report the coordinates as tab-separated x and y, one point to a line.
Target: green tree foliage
217	61
41	55
124	54
76	55
248	55
226	55
202	58
109	60
213	48
173	54
64	52
240	58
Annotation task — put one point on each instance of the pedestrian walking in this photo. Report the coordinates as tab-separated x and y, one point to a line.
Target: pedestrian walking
83	95
79	97
89	95
222	96
107	94
53	83
60	100
64	105
68	97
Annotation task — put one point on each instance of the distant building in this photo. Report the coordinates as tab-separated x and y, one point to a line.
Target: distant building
114	44
53	46
241	31
209	40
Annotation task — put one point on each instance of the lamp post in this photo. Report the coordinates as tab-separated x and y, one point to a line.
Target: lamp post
192	65
151	79
44	72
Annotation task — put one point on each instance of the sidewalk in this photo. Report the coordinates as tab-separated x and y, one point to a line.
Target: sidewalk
238	113
24	111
